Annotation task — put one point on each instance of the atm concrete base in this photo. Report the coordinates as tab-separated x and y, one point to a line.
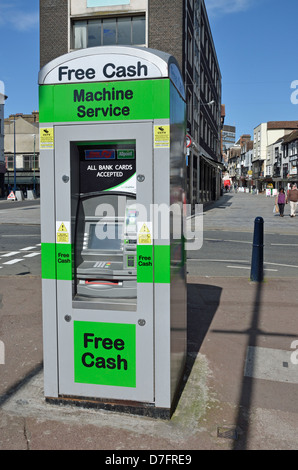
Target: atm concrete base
140	409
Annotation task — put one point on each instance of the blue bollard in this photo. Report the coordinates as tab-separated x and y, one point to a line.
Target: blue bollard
257	259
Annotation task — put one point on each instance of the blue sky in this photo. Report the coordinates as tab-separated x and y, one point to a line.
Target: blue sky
255	40
19	54
256	43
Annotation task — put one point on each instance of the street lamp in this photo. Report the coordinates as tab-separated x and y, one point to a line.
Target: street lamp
34	137
14	157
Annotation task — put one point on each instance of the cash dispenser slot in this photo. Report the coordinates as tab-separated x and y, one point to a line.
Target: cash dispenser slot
105	249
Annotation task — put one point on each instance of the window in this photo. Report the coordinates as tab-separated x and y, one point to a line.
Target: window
189	47
189	106
30	162
125	30
94	34
138	30
80	34
9	162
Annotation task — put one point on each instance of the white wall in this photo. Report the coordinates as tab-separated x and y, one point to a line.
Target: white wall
80	8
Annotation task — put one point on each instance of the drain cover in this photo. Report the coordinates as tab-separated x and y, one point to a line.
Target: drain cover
228	432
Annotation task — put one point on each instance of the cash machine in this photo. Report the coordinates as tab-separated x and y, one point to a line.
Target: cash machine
112	140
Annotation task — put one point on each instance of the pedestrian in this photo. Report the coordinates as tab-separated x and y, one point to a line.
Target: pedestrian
293	198
281	200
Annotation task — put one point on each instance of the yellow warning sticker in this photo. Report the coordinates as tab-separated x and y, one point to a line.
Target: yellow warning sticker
144	228
62	228
62	232
161	136
46	137
145	233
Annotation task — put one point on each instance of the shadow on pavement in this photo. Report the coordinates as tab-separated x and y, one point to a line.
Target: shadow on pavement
19	384
203	301
202	304
222	203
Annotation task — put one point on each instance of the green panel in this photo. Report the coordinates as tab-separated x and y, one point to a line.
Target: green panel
105	353
46	101
162	265
56	261
145	263
64	261
108	101
48	261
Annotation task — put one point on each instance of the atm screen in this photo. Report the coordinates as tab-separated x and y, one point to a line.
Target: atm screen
106	237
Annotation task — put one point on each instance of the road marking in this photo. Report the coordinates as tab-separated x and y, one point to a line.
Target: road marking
12	253
240	261
28	248
239	267
284	244
13	261
222	240
31	255
238	241
18	235
219	260
284	265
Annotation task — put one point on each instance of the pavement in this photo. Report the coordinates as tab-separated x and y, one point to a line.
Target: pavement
240	388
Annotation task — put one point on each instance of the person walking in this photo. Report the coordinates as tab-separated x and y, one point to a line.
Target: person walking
281	200
293	198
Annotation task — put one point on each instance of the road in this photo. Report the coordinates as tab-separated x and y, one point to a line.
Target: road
228	253
20	242
228	227
239	344
226	249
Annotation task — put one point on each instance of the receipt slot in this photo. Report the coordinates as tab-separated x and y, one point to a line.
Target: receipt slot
112	140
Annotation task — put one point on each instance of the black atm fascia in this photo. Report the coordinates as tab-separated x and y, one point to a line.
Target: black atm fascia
105	268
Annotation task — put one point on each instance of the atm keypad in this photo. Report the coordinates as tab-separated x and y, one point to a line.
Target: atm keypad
130	261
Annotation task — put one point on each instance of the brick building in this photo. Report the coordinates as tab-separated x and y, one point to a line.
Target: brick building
178	27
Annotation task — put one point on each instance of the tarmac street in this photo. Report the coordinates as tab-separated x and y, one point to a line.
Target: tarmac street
240	389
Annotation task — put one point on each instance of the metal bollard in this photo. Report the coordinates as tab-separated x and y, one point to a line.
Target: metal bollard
257	259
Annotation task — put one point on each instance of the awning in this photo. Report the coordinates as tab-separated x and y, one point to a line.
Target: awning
213	163
22	178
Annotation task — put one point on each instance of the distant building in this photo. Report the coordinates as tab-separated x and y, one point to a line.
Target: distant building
246	163
228	137
290	156
266	134
21	143
243	138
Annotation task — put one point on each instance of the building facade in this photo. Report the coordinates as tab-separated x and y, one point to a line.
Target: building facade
290	156
180	28
21	152
228	137
265	135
